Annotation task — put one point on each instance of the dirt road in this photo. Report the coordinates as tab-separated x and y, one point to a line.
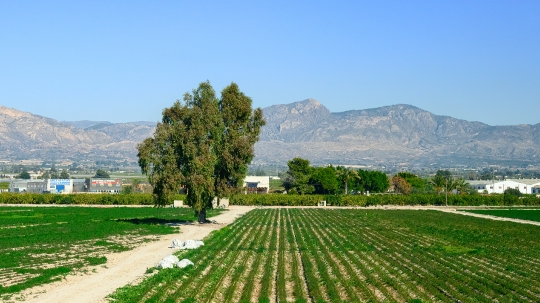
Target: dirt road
124	268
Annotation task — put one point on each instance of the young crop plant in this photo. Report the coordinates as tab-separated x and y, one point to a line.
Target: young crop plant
42	244
348	255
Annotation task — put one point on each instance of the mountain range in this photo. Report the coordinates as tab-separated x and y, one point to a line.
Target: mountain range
389	135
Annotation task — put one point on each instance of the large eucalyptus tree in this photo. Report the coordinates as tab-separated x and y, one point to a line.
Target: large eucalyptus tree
204	145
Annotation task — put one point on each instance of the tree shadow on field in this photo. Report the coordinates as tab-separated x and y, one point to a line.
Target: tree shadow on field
156	221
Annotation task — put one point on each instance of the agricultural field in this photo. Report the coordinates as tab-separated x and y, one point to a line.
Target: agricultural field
523	214
324	255
42	244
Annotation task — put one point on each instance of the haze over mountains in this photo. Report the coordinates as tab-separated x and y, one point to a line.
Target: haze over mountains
385	135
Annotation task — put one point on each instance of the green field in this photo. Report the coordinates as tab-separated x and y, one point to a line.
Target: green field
42	244
524	214
314	255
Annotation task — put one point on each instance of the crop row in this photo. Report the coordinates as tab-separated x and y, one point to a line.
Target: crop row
313	255
80	199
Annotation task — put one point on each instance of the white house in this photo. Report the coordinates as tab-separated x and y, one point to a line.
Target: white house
525	186
257	184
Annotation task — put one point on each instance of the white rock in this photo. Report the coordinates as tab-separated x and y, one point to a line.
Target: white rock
184	263
192	244
176	243
167	262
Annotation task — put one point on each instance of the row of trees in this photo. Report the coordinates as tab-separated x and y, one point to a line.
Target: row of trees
302	178
443	181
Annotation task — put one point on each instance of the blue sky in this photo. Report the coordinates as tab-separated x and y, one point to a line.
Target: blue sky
127	60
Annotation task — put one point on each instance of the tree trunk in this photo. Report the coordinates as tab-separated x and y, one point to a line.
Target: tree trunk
346	188
202	216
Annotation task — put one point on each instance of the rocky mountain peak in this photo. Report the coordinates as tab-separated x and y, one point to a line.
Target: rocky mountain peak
12	113
283	118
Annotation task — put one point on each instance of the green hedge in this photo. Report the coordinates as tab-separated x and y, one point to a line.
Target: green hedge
279	199
79	199
358	200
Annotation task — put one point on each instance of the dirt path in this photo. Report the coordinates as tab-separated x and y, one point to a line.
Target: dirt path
492	217
123	268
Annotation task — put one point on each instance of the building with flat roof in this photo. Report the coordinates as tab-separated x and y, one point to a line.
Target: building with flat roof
60	186
18	186
95	185
525	186
257	184
37	187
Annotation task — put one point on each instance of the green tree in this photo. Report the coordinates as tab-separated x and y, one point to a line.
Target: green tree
24	175
324	180
127	189
372	181
100	173
462	186
444	173
346	175
135	184
296	179
45	175
417	184
64	174
513	192
53	173
439	183
511	196
202	144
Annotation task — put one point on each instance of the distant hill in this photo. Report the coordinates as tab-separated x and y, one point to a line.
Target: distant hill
389	135
397	134
27	136
85	123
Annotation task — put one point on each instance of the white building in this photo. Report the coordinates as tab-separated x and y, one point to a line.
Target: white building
257	184
18	186
525	186
60	186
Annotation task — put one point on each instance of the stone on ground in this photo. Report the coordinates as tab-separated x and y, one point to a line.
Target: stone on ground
167	262
184	263
176	243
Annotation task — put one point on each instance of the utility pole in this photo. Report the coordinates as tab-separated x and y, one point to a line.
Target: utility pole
446	191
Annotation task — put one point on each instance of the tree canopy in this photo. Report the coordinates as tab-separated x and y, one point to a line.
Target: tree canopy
301	178
24	175
100	173
204	145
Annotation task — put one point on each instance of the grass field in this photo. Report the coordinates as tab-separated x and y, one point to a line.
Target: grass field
313	255
524	214
41	244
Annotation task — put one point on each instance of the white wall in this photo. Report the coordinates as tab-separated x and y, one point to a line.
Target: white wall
262	181
500	186
68	185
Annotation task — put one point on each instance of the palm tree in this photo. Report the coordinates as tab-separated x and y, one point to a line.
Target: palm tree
347	174
439	182
461	185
